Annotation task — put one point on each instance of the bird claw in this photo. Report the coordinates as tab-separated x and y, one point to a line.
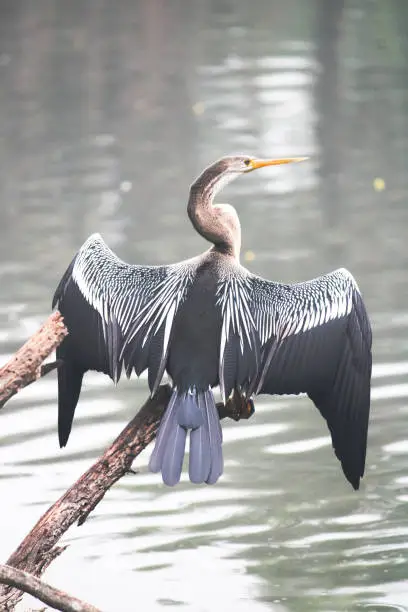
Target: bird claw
239	407
250	409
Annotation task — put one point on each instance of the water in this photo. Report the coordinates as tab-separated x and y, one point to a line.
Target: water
107	112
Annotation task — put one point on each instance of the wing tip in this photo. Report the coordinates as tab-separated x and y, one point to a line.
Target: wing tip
70	379
64	430
63	442
354	472
355	482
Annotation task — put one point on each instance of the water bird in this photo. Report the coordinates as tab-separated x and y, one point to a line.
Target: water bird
208	322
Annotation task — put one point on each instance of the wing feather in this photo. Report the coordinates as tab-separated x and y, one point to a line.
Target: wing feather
317	340
117	315
240	343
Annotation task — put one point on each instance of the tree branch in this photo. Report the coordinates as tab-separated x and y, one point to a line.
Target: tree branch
39	548
25	365
44	592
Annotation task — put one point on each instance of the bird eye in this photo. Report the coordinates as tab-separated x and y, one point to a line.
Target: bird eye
247	162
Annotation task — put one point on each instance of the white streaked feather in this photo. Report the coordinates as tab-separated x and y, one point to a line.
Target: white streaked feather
286	310
233	296
137	296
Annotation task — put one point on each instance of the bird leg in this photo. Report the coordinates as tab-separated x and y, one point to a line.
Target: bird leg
237	407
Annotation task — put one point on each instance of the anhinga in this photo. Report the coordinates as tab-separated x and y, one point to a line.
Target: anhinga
209	322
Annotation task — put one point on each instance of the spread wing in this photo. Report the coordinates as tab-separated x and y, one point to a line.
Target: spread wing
117	315
316	339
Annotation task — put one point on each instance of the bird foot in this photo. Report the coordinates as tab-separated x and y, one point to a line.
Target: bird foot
237	407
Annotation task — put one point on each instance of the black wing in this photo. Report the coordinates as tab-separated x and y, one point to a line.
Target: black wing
316	339
117	315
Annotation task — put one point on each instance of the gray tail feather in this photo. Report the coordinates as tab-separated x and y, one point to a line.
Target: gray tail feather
195	411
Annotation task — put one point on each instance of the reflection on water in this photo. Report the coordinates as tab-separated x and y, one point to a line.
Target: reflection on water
107	114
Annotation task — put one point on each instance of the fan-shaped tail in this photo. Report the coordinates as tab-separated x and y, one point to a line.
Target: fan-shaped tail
193	411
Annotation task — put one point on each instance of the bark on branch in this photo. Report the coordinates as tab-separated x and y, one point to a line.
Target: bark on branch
26	365
39	548
44	592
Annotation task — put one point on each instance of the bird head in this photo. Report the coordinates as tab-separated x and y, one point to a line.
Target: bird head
222	172
242	164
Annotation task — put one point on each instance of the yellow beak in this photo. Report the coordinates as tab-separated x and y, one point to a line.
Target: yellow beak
261	163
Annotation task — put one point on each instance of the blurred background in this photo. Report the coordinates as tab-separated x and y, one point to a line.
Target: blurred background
108	111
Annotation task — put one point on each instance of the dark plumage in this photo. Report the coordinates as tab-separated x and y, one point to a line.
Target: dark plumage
208	321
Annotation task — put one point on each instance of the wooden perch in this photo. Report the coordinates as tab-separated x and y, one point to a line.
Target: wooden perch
44	592
26	365
39	548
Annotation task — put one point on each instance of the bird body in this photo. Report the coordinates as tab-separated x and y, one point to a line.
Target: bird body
209	322
194	351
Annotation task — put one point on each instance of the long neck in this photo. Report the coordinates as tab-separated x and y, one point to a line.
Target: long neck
218	223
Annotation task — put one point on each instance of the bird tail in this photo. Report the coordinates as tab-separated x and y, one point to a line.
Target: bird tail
193	411
69	387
